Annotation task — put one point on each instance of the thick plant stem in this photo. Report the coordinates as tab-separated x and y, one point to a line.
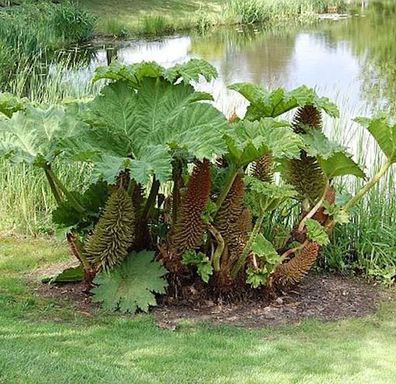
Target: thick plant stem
292	251
233	173
53	186
177	183
151	199
376	178
68	195
76	249
131	187
219	249
241	261
315	209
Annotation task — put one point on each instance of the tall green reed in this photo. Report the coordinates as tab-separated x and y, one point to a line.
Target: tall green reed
261	11
26	201
33	32
367	244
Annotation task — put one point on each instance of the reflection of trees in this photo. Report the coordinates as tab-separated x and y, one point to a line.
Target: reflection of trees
247	52
381	55
374	41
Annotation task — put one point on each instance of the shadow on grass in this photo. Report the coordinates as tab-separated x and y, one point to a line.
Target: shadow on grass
123	350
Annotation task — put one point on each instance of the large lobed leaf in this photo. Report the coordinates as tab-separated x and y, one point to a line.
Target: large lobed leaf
317	144
140	128
134	73
191	71
247	141
340	164
265	103
384	133
333	158
316	232
31	136
9	104
69	275
93	200
266	197
132	285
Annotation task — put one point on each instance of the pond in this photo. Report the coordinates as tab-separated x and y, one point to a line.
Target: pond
350	60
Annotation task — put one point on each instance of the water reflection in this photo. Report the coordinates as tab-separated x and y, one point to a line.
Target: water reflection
351	61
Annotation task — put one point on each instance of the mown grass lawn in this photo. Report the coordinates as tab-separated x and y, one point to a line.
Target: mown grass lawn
44	341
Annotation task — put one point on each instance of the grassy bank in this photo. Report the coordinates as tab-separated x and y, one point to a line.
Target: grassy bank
45	340
153	17
31	33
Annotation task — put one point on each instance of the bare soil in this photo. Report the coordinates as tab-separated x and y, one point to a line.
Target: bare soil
323	297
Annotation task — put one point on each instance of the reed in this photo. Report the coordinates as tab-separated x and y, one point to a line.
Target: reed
26	201
31	33
262	11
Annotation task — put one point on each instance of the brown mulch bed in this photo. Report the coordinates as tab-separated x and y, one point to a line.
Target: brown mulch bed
322	297
74	293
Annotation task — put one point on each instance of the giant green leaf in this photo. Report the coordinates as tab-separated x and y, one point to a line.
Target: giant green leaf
156	160
265	197
69	275
384	133
92	200
147	125
132	285
191	71
265	103
339	164
31	136
265	250
9	104
316	232
249	140
134	73
317	144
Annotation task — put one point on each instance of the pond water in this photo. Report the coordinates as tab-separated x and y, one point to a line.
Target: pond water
352	61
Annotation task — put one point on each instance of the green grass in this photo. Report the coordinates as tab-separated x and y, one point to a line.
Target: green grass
155	17
47	340
32	33
144	17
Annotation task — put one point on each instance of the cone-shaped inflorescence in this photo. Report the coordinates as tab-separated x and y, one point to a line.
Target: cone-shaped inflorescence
114	232
305	173
306	176
189	228
294	270
263	168
308	116
239	235
234	221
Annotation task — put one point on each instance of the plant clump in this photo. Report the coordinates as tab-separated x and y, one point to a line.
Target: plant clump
180	200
